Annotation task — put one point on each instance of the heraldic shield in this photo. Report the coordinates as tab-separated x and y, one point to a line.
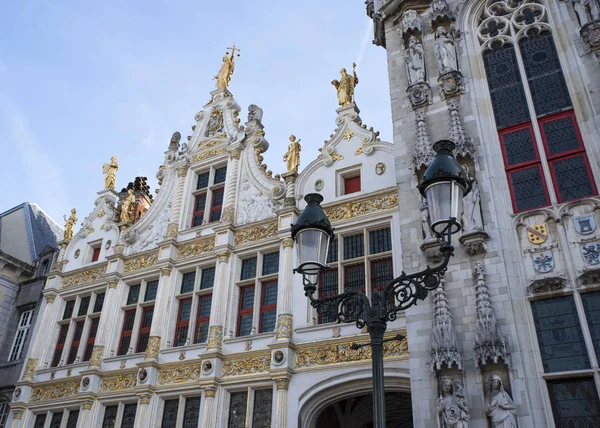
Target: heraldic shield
584	224
543	262
538	233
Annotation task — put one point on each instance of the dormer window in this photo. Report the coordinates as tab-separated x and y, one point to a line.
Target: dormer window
94	251
349	181
209	196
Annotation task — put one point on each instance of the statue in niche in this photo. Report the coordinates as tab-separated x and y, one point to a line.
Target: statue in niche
70	225
452	405
499	407
110	169
424	208
445	52
292	157
415	61
128	208
471	217
586	10
345	86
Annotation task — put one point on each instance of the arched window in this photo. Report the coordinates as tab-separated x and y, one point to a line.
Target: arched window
541	143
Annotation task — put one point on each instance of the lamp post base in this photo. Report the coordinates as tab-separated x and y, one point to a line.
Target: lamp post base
376	329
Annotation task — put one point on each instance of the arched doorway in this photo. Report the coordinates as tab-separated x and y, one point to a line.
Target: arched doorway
357	412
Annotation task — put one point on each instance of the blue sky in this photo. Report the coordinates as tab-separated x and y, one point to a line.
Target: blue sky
83	80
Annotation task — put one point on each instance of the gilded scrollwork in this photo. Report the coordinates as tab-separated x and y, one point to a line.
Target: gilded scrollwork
30	369
180	374
83	277
223	256
215	337
361	207
153	347
248	365
87	405
196	248
256	233
118	383
55	391
141	262
145	398
208	154
210	392
284	326
282	383
96	358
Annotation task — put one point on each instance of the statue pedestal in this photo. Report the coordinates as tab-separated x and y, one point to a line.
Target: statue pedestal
218	94
349	110
431	249
109	195
474	242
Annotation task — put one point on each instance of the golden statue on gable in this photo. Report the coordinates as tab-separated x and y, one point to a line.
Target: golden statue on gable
226	70
345	86
110	169
70	225
128	208
292	157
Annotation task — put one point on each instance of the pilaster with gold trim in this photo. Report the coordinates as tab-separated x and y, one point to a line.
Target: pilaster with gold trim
160	312
85	413
107	319
173	227
42	340
19	417
208	414
284	295
283	384
219	303
141	417
232	178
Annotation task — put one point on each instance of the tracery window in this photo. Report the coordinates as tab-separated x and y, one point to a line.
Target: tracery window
209	195
138	312
77	329
538	131
250	408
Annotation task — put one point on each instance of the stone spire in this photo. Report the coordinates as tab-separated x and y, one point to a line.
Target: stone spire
423	154
445	347
464	145
489	343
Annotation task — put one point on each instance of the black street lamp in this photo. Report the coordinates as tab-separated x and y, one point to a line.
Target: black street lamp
444	185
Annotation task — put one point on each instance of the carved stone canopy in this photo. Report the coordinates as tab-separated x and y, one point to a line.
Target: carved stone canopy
411	24
549	283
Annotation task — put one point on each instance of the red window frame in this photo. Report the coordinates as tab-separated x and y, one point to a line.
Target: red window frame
201	320
60	344
181	323
352	184
96	254
263	307
144	330
126	333
247	311
354	265
75	341
213	207
580	151
330	271
199	213
91	338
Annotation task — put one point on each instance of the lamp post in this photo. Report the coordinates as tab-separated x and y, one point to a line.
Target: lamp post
444	185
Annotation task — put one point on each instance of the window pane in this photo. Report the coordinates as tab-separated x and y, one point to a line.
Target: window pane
332	253
519	146
245	325
208	278
147	317
151	288
72	421
328	283
263	400
69	309
99	302
354	278
506	87
382	273
40	420
185	310
56	420
591	303
560	135
267	320
187	282
237	409
83	306
191	413
572	178
4	409
270	263
134	294
546	80
124	347
201	332
269	293
247	298
169	418
528	188
380	240
574	403
248	268
129	415
205	303
351	185
202	180
220	174
110	417
559	335
354	246
217	198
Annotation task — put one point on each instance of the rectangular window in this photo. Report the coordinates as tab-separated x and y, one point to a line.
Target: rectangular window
146	323
23	326
591	304
199	206
134	294
216	205
246	310
332	252
110	417
220	174
187	282
559	335
328	282
260	403
56	420
83	306
60	344
126	332
248	268
354	277
4	410
72	420
237	409
183	322
191	412
270	263
351	184
202	180
129	411
89	347
382	273
99	303
380	241
169	417
262	409
574	403
70	305
208	278
40	421
75	342
354	246
151	289
203	318
95	254
268	307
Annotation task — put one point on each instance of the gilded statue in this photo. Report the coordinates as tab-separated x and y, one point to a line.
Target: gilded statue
70	224
128	208
110	169
224	75
292	157
345	86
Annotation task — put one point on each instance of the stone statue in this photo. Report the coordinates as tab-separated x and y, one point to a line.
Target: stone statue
255	113
110	169
586	10
292	157
174	143
70	224
499	407
445	52
415	62
475	220
226	70
128	208
424	208
345	87
452	406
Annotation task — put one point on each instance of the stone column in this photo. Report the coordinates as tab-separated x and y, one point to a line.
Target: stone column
18	418
43	336
219	303
284	292
141	417
290	188
159	318
208	414
107	319
173	227
281	402
232	176
85	414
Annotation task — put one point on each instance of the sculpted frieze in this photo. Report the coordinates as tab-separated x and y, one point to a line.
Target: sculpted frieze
181	374
256	233
84	277
196	248
55	391
246	366
362	207
141	262
118	383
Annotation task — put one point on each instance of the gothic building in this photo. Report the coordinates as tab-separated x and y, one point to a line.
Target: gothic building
515	331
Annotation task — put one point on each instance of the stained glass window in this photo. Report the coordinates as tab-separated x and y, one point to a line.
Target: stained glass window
183	322
144	334
126	332
574	403
237	409
217	204
572	177
519	145
110	416
191	413
203	318
129	412
263	404
187	282
89	347
328	286
169	417
559	335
